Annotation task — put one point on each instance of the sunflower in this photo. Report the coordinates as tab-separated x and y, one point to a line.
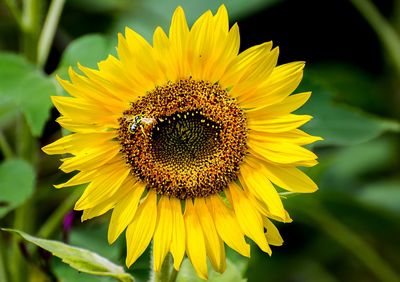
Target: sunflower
186	141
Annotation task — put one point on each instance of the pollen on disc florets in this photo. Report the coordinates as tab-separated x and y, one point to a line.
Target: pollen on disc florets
184	139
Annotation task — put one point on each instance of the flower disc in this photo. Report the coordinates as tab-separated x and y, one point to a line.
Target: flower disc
194	144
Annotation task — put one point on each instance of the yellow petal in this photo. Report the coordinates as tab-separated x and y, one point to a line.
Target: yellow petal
263	209
278	123
144	60
80	178
104	206
288	105
132	61
178	234
125	210
283	80
214	245
195	245
97	211
272	234
81	127
284	153
85	111
163	234
253	177
223	58
249	218
92	157
178	36
116	73
164	55
295	136
257	73
244	64
179	29
227	226
110	87
106	184
210	52
290	178
74	143
221	19
141	229
200	44
95	89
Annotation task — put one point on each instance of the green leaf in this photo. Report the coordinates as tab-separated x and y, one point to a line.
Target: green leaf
64	273
351	84
93	235
78	258
384	194
341	124
88	50
17	179
231	274
26	89
352	162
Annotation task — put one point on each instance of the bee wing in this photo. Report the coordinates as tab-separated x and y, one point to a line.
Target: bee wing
147	120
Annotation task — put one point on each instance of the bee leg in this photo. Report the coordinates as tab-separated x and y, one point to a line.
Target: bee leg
144	133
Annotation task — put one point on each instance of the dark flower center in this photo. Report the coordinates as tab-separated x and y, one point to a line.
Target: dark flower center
184	139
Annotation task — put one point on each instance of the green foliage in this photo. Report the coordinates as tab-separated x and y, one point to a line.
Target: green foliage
342	124
87	50
384	194
17	180
78	258
25	89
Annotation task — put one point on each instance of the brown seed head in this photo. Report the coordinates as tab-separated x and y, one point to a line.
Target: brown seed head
189	140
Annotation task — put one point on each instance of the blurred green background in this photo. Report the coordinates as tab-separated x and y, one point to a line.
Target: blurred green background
347	231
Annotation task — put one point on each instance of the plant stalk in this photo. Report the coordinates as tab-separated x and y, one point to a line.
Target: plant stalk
3	273
5	147
167	272
16	14
173	275
351	241
31	15
49	30
385	31
55	219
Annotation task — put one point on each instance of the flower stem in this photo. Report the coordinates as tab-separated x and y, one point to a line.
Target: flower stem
14	12
17	264
173	276
55	219
351	241
48	31
167	272
382	27
25	150
5	147
163	275
3	274
31	15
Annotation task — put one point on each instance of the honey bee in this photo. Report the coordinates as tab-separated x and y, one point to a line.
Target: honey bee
140	121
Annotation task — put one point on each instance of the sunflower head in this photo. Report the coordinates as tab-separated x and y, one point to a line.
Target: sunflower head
186	141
